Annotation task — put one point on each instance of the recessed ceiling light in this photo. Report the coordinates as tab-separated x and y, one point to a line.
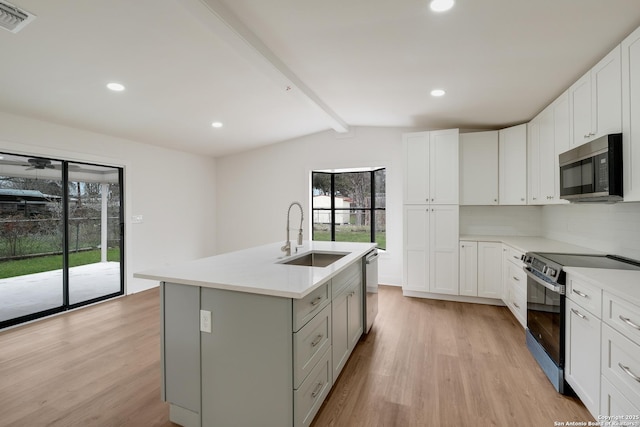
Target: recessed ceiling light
216	124
441	5
116	87
437	92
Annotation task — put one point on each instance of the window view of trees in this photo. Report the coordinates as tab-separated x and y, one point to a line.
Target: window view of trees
349	206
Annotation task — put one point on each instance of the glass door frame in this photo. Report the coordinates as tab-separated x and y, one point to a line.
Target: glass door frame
65	244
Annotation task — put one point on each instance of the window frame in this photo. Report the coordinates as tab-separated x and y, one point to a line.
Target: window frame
372	209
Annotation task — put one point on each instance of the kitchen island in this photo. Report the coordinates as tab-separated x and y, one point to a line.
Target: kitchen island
254	338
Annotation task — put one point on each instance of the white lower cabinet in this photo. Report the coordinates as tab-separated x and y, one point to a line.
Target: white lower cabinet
489	269
431	248
481	269
620	357
602	354
582	355
468	268
514	281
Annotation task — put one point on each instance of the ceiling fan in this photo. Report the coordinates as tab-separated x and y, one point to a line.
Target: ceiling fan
39	163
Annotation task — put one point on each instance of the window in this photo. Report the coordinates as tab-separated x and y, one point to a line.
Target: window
349	206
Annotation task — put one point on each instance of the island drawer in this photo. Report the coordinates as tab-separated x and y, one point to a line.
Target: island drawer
586	294
309	344
345	278
309	397
304	309
622	316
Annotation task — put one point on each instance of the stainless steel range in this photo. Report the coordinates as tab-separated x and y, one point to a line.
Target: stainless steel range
546	305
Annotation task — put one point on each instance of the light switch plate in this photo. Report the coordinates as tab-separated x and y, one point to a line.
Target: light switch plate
205	321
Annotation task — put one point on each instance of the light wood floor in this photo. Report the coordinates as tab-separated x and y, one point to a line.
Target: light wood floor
426	363
439	363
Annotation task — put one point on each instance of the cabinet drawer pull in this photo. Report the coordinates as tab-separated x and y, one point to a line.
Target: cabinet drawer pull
316	390
577	313
628	372
317	340
580	294
516	305
316	301
516	279
629	322
516	257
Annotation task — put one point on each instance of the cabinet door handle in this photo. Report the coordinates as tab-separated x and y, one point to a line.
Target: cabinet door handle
516	279
577	313
515	257
628	372
587	135
316	391
629	322
581	294
316	301
516	305
317	340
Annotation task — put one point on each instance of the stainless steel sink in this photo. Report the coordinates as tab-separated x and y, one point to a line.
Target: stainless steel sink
316	259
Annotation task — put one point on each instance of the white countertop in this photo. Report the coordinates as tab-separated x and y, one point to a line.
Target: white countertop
623	283
532	244
258	270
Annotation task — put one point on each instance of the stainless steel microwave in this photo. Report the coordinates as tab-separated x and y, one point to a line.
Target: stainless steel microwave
592	172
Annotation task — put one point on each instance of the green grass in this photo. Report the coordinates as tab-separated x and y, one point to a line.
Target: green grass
21	267
350	236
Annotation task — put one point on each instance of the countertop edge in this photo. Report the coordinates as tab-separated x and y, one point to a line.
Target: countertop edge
197	272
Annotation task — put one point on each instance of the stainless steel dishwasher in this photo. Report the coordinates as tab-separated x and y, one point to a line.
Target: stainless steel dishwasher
371	284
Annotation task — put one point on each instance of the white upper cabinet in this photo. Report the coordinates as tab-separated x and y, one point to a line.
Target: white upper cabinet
561	124
548	137
444	176
595	101
631	115
431	167
513	165
479	168
416	170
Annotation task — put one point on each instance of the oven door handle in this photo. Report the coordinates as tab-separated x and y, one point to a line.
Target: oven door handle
555	288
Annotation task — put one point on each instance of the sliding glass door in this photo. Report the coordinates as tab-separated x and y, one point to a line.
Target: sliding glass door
93	232
60	236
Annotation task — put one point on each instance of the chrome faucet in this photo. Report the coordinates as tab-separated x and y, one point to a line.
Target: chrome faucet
287	245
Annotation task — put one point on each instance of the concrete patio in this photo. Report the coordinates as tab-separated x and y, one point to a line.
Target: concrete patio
32	293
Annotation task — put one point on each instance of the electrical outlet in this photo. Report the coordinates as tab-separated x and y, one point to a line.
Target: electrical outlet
205	321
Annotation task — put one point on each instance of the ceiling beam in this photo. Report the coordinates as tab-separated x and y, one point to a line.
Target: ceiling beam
216	16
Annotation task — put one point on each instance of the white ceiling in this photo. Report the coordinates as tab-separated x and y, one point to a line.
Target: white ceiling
186	63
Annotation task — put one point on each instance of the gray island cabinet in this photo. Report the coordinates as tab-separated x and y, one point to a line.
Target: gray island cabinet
278	338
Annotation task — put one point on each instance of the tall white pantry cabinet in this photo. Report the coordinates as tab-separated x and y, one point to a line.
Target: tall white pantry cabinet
431	212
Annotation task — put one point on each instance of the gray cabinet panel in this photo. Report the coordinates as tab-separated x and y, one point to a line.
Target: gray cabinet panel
181	342
247	360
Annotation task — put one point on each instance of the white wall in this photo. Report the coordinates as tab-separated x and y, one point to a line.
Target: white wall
501	220
174	191
610	228
256	187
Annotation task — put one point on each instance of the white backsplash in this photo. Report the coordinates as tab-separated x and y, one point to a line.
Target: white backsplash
501	220
610	228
